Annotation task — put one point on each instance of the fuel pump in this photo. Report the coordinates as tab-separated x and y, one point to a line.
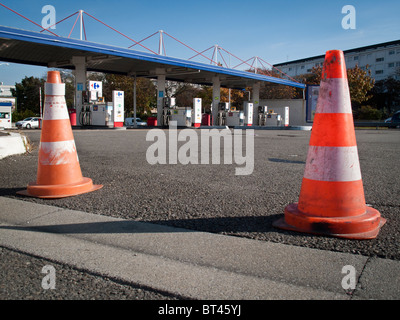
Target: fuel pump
248	113
94	111
273	119
223	108
168	104
85	117
188	117
181	115
262	115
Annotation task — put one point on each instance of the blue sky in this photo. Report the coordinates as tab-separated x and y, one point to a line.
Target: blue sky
276	31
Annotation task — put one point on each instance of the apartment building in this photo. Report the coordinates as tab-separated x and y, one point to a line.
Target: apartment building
382	59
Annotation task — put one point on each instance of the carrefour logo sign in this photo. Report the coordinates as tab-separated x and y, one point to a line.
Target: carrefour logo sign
95	86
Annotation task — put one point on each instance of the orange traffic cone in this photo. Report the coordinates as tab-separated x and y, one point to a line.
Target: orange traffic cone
331	200
59	174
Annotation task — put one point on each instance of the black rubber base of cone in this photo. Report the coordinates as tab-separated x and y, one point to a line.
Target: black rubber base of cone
281	224
59	196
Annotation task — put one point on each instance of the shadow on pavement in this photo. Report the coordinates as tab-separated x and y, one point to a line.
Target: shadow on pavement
214	225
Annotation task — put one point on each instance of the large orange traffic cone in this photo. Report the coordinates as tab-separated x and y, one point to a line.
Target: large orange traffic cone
331	200
59	174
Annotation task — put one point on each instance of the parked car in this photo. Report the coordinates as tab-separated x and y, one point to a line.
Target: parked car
28	123
394	120
131	122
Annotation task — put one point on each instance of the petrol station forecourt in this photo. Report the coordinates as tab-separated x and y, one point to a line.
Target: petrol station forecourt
204	202
228	210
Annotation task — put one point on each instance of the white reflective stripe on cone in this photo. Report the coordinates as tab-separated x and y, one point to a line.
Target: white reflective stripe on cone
55	108
58	152
334	96
54	89
332	164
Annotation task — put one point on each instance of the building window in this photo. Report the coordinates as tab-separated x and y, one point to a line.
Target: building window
380	59
302	67
355	58
391	52
391	65
379	72
397	64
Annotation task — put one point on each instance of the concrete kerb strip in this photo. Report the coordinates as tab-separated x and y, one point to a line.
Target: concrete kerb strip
12	144
191	264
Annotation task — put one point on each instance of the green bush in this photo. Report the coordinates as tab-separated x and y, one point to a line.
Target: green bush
369	113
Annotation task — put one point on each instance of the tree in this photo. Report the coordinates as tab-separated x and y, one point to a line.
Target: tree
146	95
206	95
68	77
276	91
28	94
113	82
360	83
312	78
386	95
237	97
185	93
368	113
145	91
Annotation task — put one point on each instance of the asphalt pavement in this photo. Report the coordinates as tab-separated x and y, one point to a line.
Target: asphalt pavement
207	230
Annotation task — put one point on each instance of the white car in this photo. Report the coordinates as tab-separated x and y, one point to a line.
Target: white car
28	123
131	122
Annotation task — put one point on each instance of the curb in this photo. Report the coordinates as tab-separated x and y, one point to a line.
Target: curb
187	263
12	144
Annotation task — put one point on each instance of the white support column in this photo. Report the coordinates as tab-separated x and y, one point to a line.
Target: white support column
160	95
256	102
216	99
81	23
161	43
80	84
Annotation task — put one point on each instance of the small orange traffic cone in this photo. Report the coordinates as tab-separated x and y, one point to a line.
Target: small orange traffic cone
59	174
331	200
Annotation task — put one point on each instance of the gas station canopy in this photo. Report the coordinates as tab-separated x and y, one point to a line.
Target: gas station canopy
34	48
